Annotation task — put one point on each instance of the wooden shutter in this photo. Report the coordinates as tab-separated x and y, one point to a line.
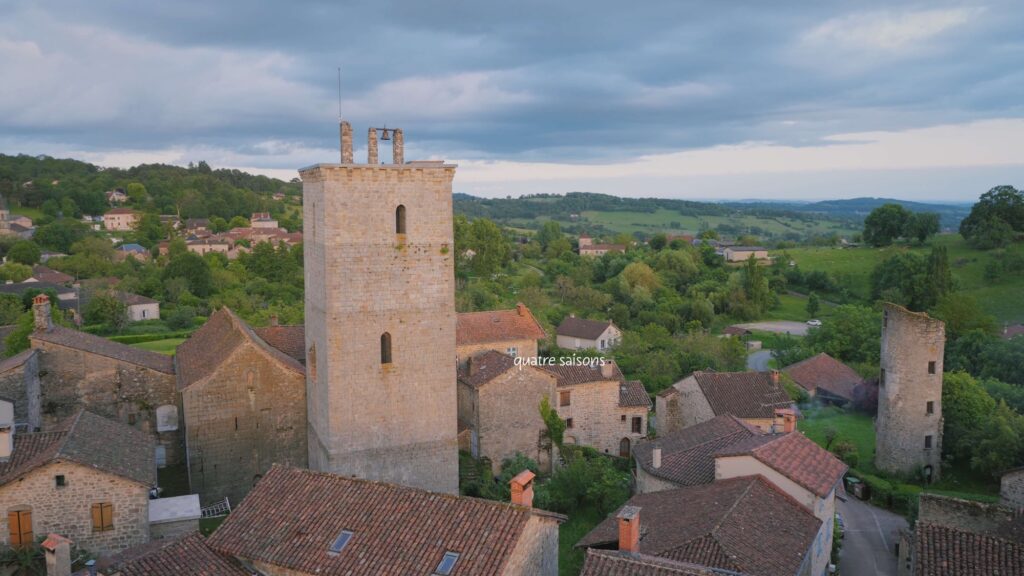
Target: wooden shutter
102	517
97	517
108	516
19	524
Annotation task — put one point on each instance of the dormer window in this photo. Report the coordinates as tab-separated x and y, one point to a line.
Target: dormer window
340	542
447	564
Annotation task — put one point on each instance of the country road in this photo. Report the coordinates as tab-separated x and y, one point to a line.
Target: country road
758	361
778	326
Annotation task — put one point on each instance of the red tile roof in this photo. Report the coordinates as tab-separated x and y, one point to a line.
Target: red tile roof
497	326
796	457
129	299
292	516
89	440
485	367
615	563
101	346
288	339
187	555
688	455
826	373
942	550
632	394
46	274
742	394
200	356
571	374
742	524
582	328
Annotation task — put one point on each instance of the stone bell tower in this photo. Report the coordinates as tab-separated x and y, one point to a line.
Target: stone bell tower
380	317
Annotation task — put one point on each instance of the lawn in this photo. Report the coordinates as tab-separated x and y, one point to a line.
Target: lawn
165	346
33	213
852	267
570	560
663	220
794	307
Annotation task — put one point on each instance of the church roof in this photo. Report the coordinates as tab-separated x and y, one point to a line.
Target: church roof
102	347
497	326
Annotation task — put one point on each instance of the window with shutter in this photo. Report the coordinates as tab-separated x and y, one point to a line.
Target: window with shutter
19	525
102	517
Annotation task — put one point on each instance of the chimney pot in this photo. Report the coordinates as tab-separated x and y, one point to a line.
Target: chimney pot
58	555
656	457
522	488
775	377
788	420
41	313
607	368
521	309
629	529
273	319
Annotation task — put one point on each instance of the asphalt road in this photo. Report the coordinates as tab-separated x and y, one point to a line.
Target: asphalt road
780	326
758	361
869	541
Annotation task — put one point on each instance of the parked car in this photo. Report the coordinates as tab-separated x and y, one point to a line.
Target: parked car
814	322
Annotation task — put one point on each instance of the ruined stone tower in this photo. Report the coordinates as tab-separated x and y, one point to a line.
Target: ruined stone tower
909	425
380	317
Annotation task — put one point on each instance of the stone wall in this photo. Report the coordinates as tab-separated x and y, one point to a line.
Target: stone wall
649	483
21	386
910	342
966	515
249	414
536	552
688	407
130	394
392	422
172	530
524	348
1011	489
598	420
68	510
509	415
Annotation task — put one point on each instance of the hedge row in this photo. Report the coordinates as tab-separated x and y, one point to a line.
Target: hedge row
890	494
137	338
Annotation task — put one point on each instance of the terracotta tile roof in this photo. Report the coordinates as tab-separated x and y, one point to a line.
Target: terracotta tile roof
199	356
825	372
129	299
288	339
46	274
88	440
741	524
120	211
796	457
735	331
615	563
742	394
485	367
571	375
688	455
187	555
101	346
942	550
582	328
632	394
292	516
496	326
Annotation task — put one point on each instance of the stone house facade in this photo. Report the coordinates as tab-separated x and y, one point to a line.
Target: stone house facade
753	397
138	307
130	385
19	383
380	318
743	253
1011	489
909	423
513	332
244	404
499	403
581	334
121	219
87	480
600	408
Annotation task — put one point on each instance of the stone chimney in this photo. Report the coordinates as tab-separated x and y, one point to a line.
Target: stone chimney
345	130
656	457
521	309
58	555
607	369
629	529
397	146
371	148
522	488
775	377
785	420
273	320
41	313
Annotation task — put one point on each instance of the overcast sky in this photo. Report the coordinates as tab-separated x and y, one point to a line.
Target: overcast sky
705	100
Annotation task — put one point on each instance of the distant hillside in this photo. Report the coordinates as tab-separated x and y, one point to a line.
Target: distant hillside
857	208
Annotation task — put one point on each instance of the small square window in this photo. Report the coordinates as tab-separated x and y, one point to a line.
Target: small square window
512	351
931	367
447	564
930	407
928	442
564	398
568	422
638	425
623	417
60	481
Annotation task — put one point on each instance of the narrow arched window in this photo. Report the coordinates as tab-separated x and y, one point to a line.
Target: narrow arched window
400	219
385	348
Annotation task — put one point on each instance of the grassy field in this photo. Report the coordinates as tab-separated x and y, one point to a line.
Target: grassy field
662	220
852	268
33	213
794	307
570	560
166	346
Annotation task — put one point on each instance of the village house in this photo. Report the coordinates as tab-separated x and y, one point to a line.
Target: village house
138	307
46	275
750	396
262	220
581	334
743	253
245	407
132	386
499	408
514	332
825	378
729	525
116	196
962	537
88	479
588	248
600	408
220	243
132	250
121	219
300	522
188	554
197	226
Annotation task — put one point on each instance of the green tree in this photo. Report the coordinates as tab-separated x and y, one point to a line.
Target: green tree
921	226
24	252
885	224
993	220
755	285
193	269
491	248
11	308
108	310
136	192
852	334
60	234
962	313
965	404
238	222
813	305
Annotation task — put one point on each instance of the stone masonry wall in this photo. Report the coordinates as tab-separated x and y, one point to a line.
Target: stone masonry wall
249	414
909	342
966	515
392	422
510	421
172	530
597	418
72	379
21	386
1011	490
646	482
68	510
691	407
536	552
